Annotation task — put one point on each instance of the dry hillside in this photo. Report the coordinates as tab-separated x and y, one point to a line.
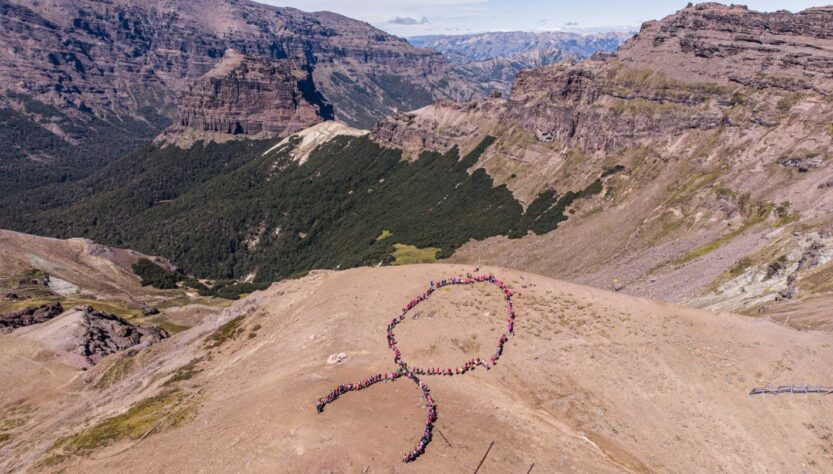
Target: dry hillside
592	381
39	270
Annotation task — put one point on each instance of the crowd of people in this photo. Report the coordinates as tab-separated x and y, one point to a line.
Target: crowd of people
352	387
413	454
411	373
472	364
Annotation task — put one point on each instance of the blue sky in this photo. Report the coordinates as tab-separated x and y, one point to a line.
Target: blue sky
418	17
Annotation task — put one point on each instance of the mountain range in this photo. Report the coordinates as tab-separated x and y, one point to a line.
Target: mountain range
85	81
494	59
464	49
653	143
661	210
720	120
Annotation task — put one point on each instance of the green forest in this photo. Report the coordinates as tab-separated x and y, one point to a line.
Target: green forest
225	211
33	156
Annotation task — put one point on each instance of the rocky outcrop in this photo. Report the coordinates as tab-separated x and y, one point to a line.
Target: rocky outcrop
26	317
245	95
731	45
659	84
592	106
803	164
103	334
440	126
307	141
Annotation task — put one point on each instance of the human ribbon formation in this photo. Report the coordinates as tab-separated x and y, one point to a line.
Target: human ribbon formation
411	373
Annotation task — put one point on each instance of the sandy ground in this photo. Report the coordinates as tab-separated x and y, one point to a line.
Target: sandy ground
593	381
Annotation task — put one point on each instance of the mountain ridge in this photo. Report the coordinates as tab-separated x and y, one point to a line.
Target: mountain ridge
494	59
490	45
108	76
724	145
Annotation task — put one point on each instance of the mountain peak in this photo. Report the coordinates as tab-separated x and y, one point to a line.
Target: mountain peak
730	44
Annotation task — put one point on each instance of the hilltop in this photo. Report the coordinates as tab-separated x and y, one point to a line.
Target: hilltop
592	381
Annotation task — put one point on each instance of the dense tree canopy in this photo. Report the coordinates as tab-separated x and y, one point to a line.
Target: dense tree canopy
225	211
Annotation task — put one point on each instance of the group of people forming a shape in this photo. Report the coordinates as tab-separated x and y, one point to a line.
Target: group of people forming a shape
411	373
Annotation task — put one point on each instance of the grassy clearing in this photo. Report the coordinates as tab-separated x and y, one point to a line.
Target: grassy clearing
11	306
227	332
410	254
172	328
112	307
761	216
384	235
116	372
186	372
644	107
185	299
819	281
158	413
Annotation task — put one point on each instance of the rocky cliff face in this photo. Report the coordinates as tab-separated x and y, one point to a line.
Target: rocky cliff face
244	95
731	46
696	70
89	55
717	125
29	316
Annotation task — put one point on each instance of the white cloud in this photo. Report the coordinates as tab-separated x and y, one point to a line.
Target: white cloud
380	13
408	21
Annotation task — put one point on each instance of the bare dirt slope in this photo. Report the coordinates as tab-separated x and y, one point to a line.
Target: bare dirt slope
85	267
593	381
39	270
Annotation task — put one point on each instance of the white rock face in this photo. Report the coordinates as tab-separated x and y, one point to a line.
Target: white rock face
316	136
62	287
336	358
